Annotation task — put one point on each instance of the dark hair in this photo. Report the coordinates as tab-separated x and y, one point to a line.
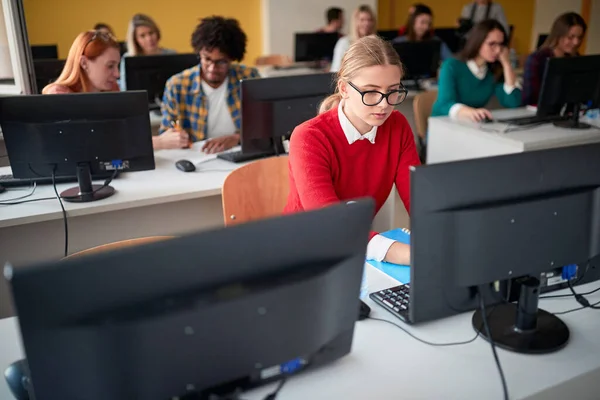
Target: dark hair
560	28
102	25
333	14
419	9
220	33
477	36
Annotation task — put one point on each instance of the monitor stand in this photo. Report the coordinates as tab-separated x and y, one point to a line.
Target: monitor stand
86	192
523	327
573	122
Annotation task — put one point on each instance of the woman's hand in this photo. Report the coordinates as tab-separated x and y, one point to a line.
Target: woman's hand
398	253
474	114
171	139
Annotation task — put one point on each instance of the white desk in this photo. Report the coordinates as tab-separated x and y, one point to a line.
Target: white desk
450	140
385	363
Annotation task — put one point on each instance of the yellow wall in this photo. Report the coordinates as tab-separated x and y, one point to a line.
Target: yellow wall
59	21
520	13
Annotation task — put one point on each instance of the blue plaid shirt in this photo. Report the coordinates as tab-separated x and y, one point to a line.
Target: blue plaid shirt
184	101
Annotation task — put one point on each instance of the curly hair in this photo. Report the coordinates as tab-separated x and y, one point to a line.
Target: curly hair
220	33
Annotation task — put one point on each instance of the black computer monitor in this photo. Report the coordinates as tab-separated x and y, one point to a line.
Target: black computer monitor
150	73
570	82
77	135
495	219
185	317
541	39
388	34
420	59
44	52
315	46
46	72
273	107
451	37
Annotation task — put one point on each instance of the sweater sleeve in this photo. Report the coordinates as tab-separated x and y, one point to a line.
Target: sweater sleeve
532	79
408	158
508	100
447	93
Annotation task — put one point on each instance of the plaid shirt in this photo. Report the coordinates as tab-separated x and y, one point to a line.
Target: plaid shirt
184	100
533	74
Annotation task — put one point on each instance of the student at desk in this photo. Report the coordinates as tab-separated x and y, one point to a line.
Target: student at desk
362	24
420	28
564	40
93	66
143	38
467	83
204	100
358	145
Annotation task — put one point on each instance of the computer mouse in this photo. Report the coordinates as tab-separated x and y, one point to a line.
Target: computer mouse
17	378
487	120
185	166
364	311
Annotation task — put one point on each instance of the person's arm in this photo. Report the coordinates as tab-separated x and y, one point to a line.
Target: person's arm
445	52
170	137
169	106
339	50
508	93
532	81
447	99
310	165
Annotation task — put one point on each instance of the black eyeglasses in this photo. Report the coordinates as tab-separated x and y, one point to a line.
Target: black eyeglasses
106	37
374	97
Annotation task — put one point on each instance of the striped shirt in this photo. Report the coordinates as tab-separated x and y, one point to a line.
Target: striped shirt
185	102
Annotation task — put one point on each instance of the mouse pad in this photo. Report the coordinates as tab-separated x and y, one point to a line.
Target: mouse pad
399	272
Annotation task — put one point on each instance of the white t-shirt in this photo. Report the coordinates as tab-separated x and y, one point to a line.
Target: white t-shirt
219	121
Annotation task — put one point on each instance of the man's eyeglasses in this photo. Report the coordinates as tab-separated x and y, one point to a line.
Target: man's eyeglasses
98	35
374	97
206	61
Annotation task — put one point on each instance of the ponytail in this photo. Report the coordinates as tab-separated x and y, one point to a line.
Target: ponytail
330	102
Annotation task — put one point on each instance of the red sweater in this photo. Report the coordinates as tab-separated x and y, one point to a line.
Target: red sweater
325	169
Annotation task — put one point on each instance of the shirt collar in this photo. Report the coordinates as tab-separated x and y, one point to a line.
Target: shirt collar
479	72
352	134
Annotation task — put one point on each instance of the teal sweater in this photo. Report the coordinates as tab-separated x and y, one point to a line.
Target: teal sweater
457	84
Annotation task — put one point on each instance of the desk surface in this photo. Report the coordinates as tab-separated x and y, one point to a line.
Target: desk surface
386	363
135	189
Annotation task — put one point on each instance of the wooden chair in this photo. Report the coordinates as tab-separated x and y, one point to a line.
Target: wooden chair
255	191
422	105
274	59
120	245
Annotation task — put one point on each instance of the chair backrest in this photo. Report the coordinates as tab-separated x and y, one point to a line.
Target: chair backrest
120	245
256	191
422	105
274	59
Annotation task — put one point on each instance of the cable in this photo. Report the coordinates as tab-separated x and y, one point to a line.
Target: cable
273	395
21	197
563	296
580	299
63	212
576	309
425	341
27	201
489	335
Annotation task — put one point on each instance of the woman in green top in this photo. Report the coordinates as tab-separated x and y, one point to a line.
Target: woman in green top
466	83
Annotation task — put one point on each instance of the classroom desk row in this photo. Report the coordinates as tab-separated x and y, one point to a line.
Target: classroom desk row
386	363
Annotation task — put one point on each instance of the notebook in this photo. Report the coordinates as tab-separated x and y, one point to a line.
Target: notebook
399	272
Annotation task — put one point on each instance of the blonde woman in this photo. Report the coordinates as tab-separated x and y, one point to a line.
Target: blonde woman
358	146
362	24
143	37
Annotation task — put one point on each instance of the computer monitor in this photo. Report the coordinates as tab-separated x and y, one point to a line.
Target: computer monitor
77	135
570	82
46	72
541	39
388	34
481	221
273	107
420	59
451	37
150	73
44	52
315	46
185	318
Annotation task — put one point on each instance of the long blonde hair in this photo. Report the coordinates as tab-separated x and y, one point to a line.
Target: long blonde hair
138	20
366	52
354	35
90	44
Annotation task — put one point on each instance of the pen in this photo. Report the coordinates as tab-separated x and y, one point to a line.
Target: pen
175	125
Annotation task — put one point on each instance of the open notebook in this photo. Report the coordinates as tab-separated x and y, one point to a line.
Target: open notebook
399	272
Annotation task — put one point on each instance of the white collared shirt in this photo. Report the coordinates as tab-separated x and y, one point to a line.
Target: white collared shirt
378	245
479	73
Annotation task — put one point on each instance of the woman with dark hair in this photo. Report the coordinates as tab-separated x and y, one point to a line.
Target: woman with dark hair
564	40
467	83
419	28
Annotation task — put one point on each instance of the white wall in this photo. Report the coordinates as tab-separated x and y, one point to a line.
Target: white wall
546	12
283	18
593	33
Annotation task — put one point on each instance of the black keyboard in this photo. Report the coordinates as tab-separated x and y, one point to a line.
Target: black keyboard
396	300
9	181
239	157
532	120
